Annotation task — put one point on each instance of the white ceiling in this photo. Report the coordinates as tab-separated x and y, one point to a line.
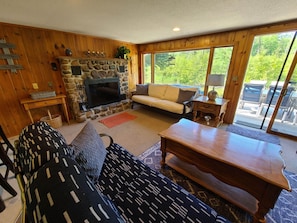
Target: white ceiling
144	21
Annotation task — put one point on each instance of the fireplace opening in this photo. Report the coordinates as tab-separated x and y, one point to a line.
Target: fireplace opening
102	91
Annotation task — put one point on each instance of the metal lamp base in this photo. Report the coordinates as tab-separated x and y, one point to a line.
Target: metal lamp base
212	95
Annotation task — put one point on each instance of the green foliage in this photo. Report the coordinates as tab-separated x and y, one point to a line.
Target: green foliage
147	68
267	57
221	60
121	52
190	67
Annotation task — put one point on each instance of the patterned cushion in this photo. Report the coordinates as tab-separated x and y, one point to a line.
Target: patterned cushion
145	195
89	150
39	143
61	192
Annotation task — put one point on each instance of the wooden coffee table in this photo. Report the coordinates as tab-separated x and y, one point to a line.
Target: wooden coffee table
244	171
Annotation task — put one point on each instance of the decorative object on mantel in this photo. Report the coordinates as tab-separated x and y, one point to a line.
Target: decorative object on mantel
94	53
9	57
122	52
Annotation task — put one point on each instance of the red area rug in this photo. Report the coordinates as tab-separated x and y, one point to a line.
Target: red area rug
117	119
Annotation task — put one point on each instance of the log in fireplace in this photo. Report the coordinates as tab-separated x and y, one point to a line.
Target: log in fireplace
102	91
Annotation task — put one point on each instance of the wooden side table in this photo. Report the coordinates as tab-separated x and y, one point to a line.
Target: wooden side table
215	109
29	103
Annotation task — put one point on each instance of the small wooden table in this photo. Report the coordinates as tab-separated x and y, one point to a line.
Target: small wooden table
244	171
29	103
215	109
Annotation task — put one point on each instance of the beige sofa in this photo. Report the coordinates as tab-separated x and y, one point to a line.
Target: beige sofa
172	98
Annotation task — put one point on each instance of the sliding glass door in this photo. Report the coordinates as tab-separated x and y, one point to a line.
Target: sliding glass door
286	106
270	76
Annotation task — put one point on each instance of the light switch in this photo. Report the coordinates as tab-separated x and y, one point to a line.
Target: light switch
35	86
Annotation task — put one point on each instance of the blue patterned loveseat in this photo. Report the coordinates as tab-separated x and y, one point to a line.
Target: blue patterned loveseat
76	183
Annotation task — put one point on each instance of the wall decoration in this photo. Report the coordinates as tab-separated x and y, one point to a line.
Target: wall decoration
54	66
68	52
9	57
76	70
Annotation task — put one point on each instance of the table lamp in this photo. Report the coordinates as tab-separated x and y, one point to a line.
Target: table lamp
214	80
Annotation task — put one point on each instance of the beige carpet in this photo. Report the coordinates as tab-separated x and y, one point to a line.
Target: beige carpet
136	135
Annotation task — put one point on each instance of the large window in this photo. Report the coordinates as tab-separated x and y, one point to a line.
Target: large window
220	64
221	60
147	71
186	67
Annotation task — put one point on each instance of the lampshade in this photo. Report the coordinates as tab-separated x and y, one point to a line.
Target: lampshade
214	80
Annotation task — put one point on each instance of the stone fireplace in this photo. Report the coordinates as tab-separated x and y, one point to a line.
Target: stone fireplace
78	71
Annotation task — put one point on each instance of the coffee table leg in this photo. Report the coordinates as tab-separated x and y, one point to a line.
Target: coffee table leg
266	203
163	149
258	218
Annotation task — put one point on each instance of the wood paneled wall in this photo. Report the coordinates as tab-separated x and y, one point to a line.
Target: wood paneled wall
241	40
38	48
